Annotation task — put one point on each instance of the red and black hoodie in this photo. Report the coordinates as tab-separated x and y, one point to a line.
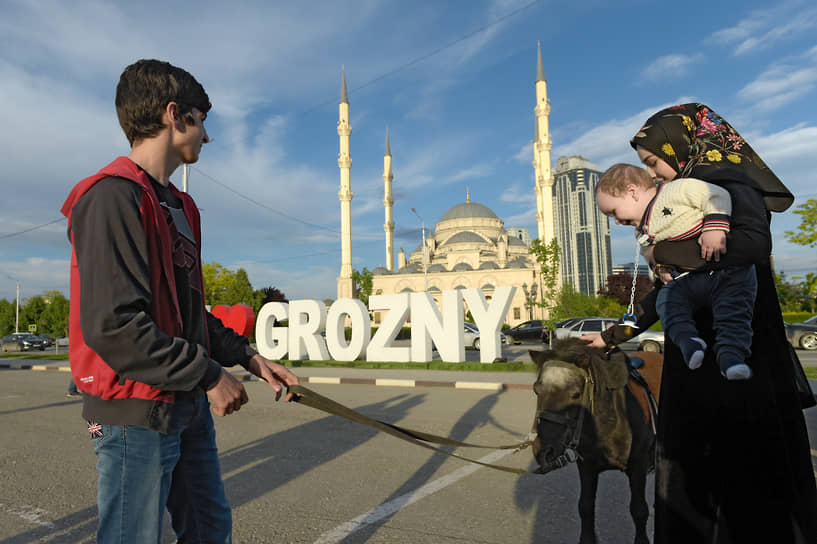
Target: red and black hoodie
141	337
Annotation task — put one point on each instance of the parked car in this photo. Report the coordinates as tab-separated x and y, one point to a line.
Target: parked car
803	334
471	334
645	341
22	341
563	323
530	331
48	339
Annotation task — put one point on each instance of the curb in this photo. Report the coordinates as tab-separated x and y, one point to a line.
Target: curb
380	382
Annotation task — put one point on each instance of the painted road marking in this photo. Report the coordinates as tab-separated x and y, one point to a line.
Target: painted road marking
394	383
479	385
387	509
317	379
31	514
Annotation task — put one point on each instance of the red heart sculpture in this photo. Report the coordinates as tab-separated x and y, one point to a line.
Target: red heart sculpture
238	317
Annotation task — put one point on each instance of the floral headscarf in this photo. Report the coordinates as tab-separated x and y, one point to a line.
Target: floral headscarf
699	143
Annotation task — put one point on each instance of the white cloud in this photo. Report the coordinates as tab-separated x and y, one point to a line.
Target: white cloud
608	143
518	194
670	67
764	29
36	275
778	86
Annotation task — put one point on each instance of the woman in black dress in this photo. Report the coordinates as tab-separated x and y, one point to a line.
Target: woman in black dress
733	458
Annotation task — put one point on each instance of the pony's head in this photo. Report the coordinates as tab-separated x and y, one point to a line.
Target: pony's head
573	398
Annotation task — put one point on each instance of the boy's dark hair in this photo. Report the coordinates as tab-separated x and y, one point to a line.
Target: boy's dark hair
616	179
146	87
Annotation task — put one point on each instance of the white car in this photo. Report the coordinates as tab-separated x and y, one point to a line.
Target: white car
471	333
645	341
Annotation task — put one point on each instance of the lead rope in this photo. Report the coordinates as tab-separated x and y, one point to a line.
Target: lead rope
629	318
312	399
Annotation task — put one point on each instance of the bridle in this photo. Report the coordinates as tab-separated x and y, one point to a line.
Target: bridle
572	423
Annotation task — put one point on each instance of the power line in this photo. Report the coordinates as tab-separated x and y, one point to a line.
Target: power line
428	55
19	232
270	209
260	205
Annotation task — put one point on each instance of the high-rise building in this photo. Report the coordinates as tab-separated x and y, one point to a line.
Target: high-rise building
582	231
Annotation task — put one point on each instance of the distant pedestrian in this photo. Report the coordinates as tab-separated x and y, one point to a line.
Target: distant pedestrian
144	350
72	389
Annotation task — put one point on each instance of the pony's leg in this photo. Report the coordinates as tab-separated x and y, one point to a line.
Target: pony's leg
639	510
589	478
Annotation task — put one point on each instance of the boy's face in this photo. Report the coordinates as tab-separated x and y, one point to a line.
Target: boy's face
191	136
627	208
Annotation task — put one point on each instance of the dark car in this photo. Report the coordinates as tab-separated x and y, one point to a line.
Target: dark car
48	339
803	334
22	341
530	331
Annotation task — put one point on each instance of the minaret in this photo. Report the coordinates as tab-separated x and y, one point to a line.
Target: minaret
541	157
388	203
345	284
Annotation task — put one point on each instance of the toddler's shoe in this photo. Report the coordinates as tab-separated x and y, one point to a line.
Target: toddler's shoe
736	370
693	350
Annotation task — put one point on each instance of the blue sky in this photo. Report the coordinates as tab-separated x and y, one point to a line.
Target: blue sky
453	81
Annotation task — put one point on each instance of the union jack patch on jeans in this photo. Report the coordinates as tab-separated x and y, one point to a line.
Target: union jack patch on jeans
94	429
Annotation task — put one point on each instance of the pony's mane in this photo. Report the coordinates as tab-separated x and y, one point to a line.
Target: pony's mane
569	350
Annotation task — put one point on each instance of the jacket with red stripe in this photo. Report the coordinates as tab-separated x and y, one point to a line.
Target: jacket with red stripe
128	351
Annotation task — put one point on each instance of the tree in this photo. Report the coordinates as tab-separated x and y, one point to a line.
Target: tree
363	284
223	286
548	256
7	316
30	312
54	319
806	233
619	287
573	304
273	294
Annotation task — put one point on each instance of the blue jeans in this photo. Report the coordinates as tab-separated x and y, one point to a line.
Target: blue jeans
142	471
730	292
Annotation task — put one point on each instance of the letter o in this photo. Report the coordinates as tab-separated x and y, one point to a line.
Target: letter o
361	329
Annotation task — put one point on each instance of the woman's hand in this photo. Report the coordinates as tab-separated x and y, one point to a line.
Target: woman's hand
595	340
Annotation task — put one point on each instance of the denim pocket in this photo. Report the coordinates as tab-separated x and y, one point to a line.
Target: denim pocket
99	433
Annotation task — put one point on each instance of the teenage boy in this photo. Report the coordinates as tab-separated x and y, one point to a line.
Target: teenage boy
681	210
145	353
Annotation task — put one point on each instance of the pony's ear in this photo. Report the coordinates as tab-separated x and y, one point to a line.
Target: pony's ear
538	357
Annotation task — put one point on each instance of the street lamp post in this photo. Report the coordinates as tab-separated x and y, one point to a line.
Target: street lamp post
425	268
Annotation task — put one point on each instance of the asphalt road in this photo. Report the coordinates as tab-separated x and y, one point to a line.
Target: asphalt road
295	475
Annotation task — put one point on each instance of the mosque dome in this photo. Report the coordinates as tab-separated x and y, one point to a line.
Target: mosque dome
468	209
460	267
520	262
465	236
380	271
411	268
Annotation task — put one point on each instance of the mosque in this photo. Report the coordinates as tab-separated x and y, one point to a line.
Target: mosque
469	247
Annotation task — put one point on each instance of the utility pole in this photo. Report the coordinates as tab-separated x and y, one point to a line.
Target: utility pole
425	267
185	173
17	317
